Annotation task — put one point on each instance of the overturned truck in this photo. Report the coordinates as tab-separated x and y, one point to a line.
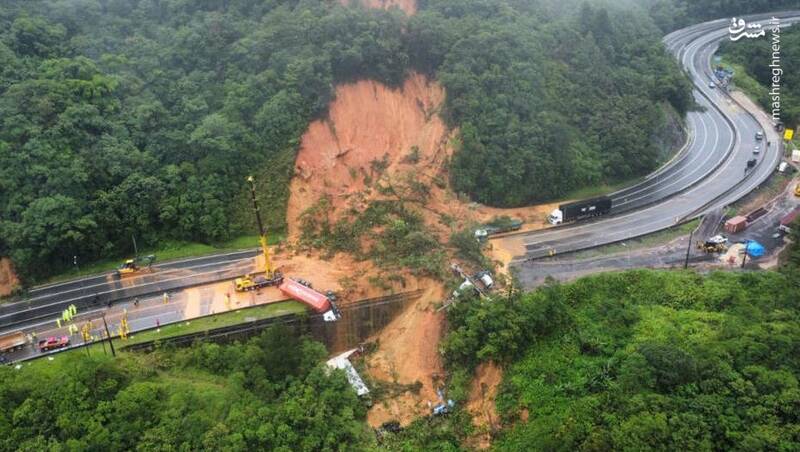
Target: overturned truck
319	303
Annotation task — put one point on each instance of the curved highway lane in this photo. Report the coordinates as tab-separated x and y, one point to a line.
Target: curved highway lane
709	174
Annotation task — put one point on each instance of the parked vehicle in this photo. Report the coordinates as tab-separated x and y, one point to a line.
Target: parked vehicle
736	224
580	210
12	341
53	343
786	222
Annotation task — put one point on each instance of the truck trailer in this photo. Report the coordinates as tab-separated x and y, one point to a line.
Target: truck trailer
12	341
319	303
580	210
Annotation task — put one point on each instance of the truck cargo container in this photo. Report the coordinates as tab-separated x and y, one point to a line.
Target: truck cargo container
580	210
318	302
12	341
497	226
756	214
786	222
736	224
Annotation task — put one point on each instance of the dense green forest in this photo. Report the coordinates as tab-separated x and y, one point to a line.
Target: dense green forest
755	56
121	118
642	360
142	118
271	393
637	360
550	103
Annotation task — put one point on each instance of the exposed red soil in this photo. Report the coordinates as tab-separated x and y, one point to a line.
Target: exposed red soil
407	6
481	403
8	278
408	353
368	122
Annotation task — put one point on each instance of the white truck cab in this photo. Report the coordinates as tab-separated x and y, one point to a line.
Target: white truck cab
555	217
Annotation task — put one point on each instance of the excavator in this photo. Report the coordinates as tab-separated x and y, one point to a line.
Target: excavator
717	244
135	265
270	277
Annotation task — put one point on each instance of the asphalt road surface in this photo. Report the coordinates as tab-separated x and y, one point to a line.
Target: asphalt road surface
46	302
150	312
710	173
707	173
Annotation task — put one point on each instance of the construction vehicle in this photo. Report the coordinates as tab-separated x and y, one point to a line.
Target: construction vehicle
135	265
52	343
270	277
11	342
797	190
716	244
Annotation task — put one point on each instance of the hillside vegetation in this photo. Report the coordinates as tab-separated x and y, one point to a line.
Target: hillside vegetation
642	360
755	56
673	14
271	393
141	118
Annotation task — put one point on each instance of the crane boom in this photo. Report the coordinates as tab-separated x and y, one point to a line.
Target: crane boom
262	235
271	277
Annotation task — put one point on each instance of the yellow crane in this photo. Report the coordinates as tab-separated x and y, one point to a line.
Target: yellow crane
271	277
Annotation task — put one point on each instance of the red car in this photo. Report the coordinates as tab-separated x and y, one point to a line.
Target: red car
52	343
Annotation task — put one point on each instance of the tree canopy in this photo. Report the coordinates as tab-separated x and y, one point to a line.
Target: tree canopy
755	57
270	393
642	360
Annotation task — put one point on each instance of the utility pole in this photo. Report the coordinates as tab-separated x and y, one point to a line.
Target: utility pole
688	250
744	258
135	248
110	342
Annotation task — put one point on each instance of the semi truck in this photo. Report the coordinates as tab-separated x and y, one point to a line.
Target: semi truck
11	342
319	303
580	210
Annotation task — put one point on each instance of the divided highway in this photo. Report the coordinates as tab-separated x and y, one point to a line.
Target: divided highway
45	303
709	172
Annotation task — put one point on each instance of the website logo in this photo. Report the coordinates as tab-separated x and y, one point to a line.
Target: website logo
740	29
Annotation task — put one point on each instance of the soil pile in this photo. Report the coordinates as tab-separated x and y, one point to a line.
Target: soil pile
368	132
407	365
377	135
481	403
8	279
